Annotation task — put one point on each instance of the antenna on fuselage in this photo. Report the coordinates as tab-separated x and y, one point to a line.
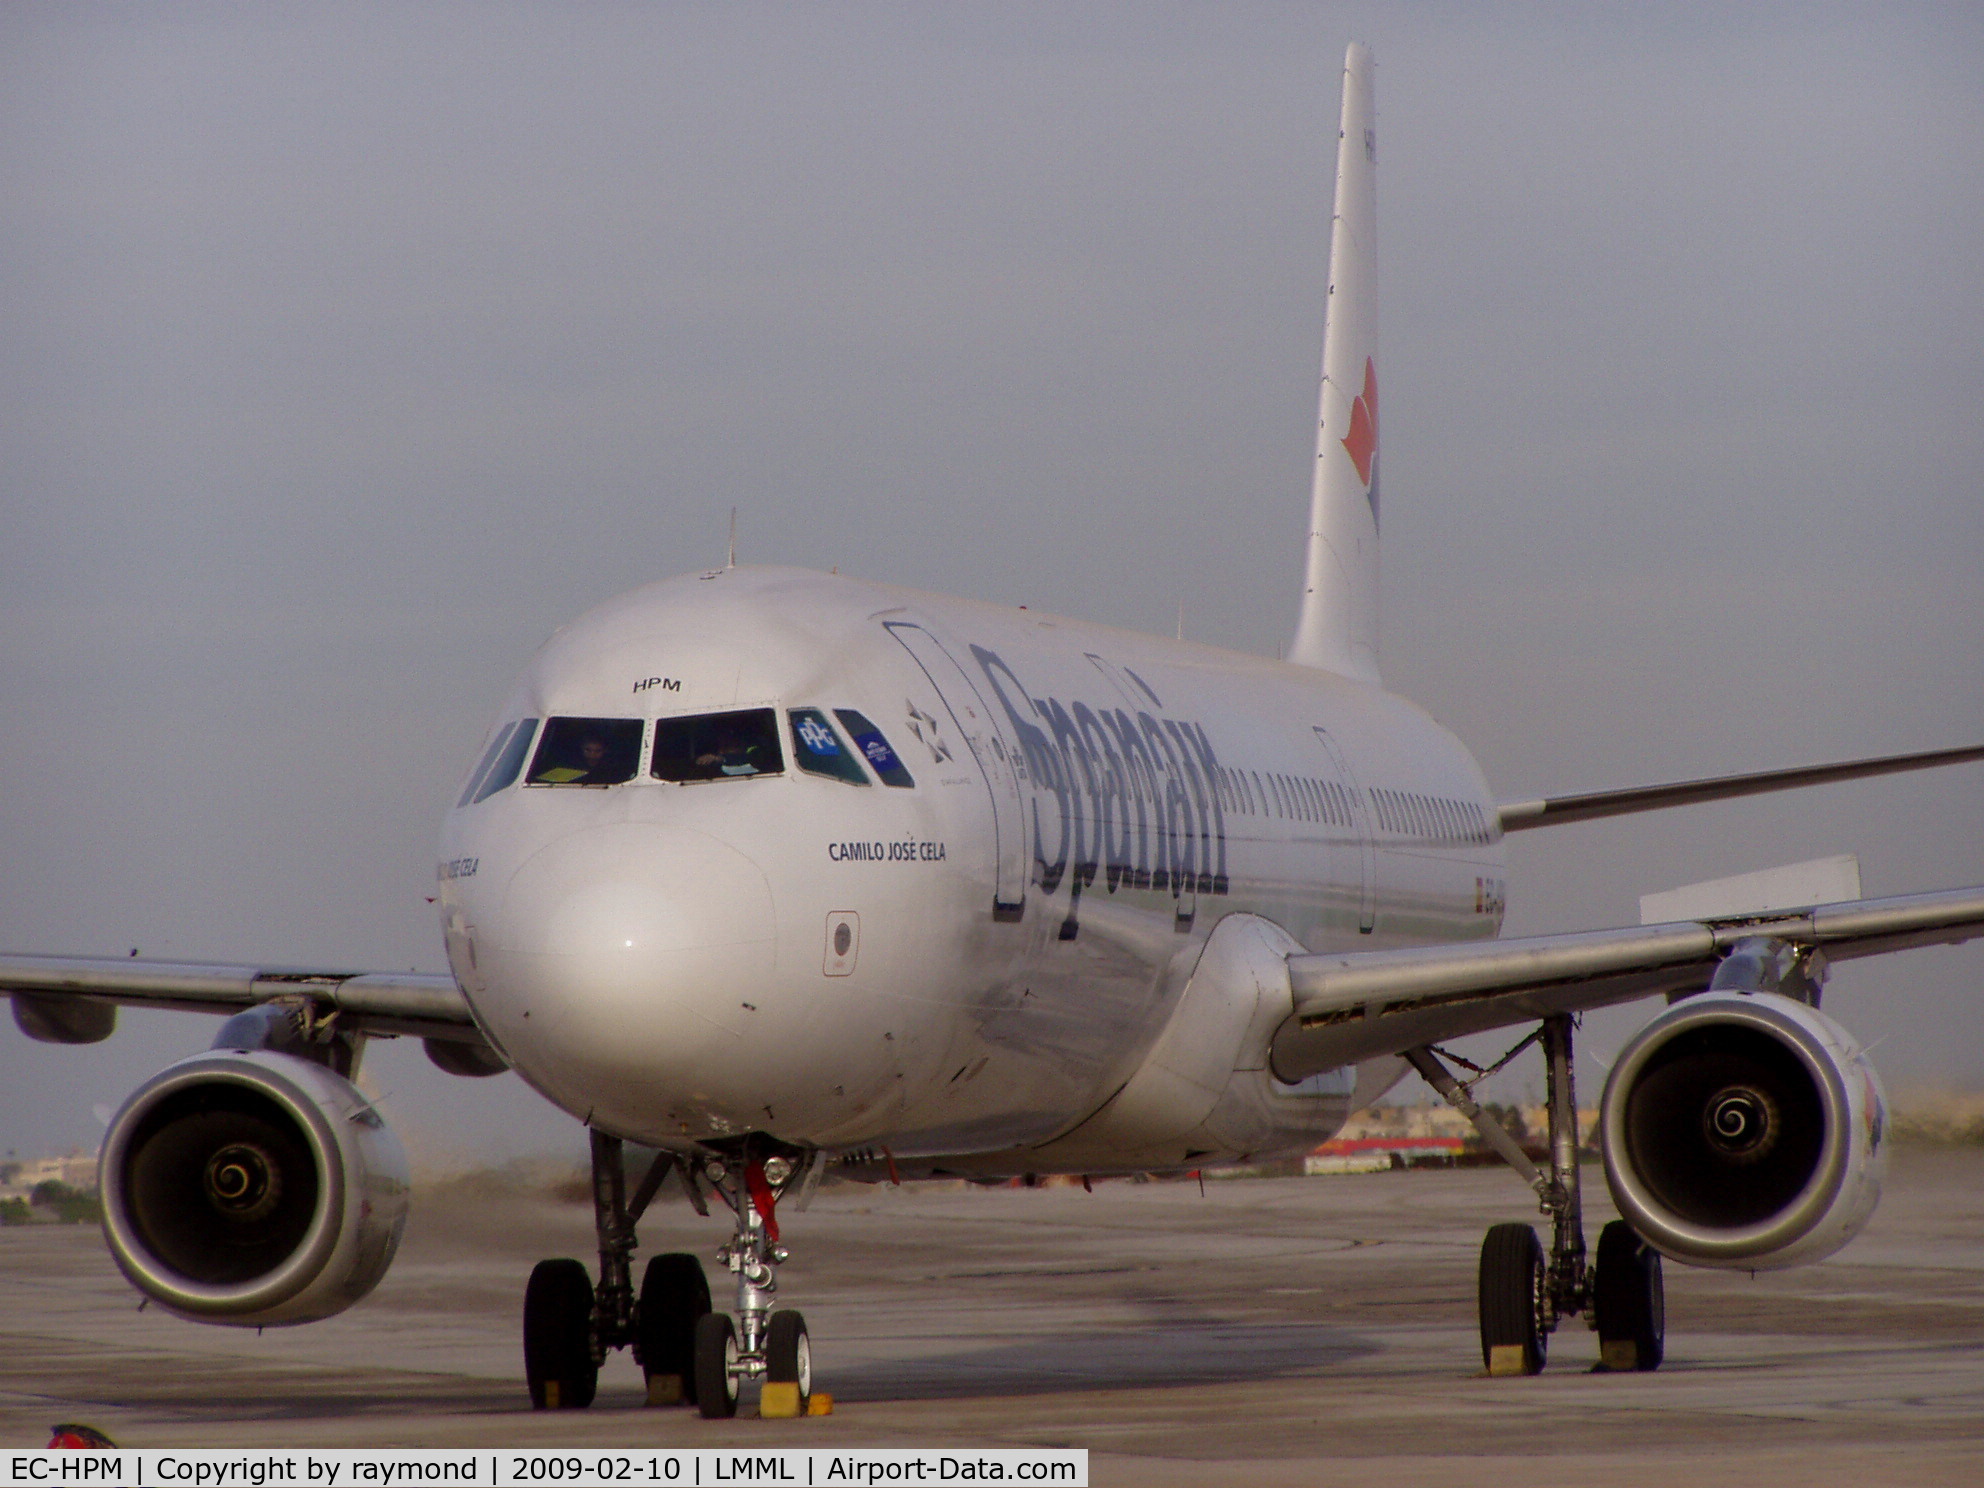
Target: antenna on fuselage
733	539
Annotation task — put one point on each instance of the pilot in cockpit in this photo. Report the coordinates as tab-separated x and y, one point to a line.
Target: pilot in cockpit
733	753
592	754
584	768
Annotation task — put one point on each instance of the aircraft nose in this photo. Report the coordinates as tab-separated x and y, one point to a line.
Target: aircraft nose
625	956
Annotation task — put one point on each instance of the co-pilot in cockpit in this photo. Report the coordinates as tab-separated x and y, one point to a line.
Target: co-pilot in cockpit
717	746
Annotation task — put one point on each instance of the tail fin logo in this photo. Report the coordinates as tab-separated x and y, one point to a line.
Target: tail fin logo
1361	443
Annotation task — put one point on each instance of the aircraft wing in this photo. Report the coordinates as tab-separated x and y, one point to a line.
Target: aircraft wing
72	999
1362	1005
1550	811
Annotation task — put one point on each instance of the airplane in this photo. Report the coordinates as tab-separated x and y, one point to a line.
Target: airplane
774	873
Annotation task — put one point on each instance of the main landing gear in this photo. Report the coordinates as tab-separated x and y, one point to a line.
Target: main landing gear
688	1353
1524	1292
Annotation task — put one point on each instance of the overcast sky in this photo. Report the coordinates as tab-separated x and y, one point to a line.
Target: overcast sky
346	351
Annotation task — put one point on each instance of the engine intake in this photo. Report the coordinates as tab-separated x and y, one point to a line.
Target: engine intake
252	1188
1744	1130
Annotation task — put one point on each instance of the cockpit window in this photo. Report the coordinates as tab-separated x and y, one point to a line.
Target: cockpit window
509	761
495	748
874	748
587	751
717	746
817	748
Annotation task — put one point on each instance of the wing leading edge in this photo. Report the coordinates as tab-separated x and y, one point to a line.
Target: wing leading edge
1364	1005
70	999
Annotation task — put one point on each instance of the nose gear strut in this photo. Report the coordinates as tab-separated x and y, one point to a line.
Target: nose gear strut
763	1343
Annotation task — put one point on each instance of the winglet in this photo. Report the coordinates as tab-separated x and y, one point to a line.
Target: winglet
1337	629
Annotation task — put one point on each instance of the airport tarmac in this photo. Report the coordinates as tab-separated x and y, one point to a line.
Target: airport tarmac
1284	1331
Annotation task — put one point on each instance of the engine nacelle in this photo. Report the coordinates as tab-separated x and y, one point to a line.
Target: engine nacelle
1744	1130
253	1189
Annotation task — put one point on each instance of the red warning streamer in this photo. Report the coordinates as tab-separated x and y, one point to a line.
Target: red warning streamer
762	1198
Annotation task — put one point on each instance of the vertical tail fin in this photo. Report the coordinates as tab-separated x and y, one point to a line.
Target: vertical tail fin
1337	629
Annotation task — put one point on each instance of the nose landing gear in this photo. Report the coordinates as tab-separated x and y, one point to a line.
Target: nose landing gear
762	1343
689	1354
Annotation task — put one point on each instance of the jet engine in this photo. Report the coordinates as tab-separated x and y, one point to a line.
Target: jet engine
1744	1130
253	1189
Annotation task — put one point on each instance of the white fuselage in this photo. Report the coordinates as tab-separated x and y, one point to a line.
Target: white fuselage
968	967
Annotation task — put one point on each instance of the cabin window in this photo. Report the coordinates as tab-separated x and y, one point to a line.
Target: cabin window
717	746
818	750
512	745
872	747
587	751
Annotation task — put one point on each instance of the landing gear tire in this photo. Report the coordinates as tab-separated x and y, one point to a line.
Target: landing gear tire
716	1366
558	1357
1511	1300
789	1354
674	1294
1628	1301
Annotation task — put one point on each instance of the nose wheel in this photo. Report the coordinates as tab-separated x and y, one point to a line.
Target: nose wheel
719	1372
789	1353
